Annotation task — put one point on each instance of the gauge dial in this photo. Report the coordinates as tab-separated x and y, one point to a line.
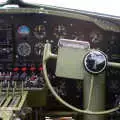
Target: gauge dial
38	48
60	31
95	37
78	36
24	49
40	32
23	30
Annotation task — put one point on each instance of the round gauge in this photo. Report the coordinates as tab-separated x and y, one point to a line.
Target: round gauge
60	31
24	49
38	48
23	30
40	32
78	36
95	37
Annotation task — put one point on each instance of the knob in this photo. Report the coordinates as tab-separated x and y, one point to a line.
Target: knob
16	69
15	76
24	69
95	61
23	76
40	68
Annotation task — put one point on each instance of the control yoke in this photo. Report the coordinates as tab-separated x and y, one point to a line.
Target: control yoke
76	60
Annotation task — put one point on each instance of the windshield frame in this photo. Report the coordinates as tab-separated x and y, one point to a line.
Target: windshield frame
83	12
24	4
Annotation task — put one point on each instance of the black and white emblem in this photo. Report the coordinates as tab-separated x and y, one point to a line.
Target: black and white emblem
95	62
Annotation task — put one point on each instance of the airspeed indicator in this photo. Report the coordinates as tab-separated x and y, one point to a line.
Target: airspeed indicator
24	49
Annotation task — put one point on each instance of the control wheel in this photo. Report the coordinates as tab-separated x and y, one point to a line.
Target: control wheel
95	63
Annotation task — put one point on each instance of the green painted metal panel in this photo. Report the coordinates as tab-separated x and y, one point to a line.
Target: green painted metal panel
97	100
37	98
70	63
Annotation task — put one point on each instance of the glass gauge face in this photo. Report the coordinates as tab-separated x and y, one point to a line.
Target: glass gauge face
24	49
95	37
60	31
23	30
78	36
38	48
95	62
40	32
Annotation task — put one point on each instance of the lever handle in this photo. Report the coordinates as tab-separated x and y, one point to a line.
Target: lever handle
47	52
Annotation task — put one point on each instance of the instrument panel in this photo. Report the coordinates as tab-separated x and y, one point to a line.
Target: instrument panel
22	39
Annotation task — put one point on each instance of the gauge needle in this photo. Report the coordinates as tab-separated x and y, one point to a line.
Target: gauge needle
39	52
94	38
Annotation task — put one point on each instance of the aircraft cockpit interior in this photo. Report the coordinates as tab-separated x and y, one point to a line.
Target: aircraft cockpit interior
58	63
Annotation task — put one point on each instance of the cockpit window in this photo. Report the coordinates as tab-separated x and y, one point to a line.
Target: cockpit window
109	7
3	1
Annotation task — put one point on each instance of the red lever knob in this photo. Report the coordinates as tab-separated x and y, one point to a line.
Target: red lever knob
16	69
40	68
24	69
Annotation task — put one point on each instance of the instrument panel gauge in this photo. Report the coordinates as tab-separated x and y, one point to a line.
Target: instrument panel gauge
24	49
23	30
78	36
60	31
38	48
40	32
95	37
